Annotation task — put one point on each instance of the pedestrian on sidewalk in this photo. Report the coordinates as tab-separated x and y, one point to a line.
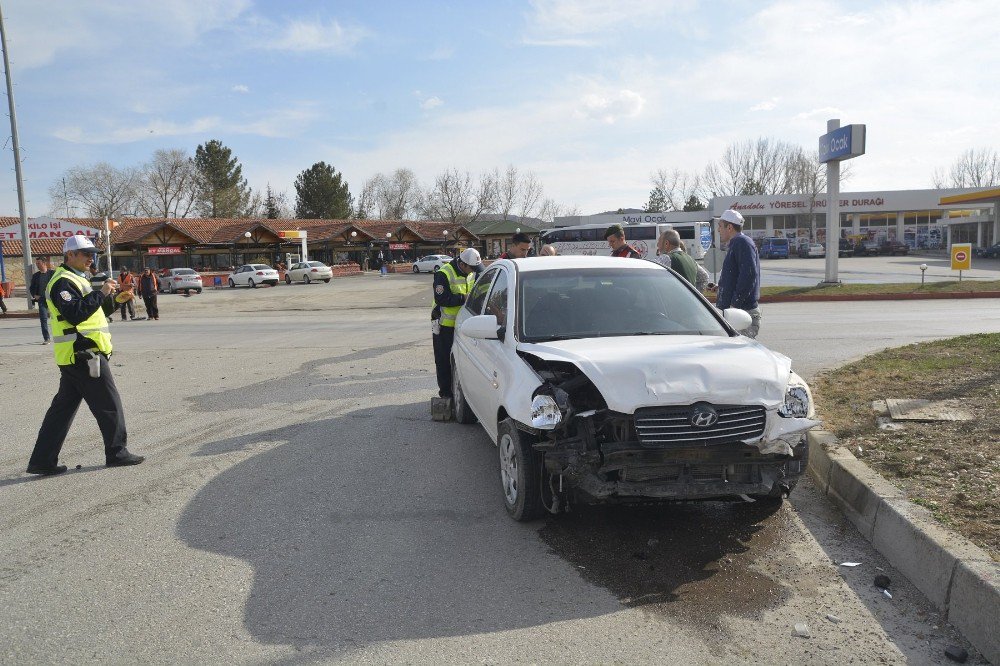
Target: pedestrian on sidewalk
39	280
3	306
126	282
149	286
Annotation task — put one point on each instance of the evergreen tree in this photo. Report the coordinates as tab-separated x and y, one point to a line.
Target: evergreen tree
222	191
693	203
657	201
272	209
321	193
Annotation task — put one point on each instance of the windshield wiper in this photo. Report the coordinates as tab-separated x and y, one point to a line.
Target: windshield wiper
553	338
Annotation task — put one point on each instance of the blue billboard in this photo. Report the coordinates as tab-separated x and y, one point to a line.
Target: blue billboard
842	144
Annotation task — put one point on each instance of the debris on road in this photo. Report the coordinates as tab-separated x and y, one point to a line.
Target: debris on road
802	630
956	653
833	618
882	581
850	564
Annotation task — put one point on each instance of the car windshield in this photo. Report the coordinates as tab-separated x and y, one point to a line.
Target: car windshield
316	264
185	271
261	267
603	302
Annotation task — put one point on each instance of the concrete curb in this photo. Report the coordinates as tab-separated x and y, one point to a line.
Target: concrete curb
905	296
960	578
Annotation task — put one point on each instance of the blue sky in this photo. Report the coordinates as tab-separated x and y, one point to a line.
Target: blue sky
591	96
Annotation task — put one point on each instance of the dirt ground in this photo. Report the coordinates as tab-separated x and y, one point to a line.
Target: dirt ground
950	467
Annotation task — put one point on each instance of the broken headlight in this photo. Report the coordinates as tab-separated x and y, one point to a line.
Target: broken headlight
545	413
798	402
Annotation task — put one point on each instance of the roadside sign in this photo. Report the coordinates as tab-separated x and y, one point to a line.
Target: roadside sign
961	257
842	143
164	249
713	260
48	227
292	234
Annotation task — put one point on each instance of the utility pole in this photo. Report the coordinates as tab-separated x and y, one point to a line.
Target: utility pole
25	241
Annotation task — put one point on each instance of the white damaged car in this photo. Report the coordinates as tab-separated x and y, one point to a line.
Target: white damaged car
607	379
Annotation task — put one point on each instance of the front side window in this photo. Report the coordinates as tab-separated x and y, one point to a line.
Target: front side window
496	305
603	302
477	297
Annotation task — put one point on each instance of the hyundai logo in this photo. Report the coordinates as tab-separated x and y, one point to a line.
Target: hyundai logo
703	416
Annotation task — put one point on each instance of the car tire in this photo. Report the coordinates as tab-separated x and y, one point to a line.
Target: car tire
251	283
307	280
288	278
232	284
462	412
326	280
170	288
415	269
436	269
519	472
197	291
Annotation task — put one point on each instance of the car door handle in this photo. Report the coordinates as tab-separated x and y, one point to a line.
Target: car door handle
496	384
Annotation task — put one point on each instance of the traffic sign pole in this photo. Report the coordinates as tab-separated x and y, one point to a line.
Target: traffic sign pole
832	213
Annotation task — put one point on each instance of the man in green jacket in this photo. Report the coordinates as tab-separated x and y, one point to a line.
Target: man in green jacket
669	245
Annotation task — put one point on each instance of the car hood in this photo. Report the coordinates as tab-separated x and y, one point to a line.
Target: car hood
633	372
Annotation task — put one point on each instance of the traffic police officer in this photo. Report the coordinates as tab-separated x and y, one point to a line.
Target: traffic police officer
82	346
452	283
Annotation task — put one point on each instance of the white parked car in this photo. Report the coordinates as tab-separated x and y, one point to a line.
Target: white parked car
180	279
607	379
430	263
308	271
252	275
810	250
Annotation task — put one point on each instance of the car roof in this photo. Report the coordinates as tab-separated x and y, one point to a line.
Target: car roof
576	261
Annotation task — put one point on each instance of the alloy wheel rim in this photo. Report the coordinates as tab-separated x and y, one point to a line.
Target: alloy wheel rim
508	469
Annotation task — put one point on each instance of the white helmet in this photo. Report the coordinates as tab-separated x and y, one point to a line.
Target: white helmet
79	242
471	257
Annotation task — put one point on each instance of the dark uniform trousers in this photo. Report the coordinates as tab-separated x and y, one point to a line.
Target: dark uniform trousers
101	396
151	310
442	359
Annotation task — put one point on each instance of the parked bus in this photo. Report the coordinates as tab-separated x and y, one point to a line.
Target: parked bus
589	238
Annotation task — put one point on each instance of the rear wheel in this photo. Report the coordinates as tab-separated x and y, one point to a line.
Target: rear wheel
520	473
197	291
327	280
415	269
170	288
252	284
436	268
288	278
306	279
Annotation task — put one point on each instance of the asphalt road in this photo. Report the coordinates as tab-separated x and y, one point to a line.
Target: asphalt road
299	506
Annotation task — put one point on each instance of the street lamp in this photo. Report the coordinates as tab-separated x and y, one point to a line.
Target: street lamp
923	271
246	235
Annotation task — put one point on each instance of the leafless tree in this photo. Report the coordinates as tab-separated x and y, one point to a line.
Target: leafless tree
367	208
672	189
516	191
396	196
750	167
168	185
458	198
101	190
973	168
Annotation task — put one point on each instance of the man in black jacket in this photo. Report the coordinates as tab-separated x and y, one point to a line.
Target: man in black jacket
37	290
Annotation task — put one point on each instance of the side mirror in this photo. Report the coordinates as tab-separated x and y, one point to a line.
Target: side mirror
738	319
483	327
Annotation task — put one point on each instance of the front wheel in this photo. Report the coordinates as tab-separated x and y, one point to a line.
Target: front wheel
326	280
252	284
520	473
232	285
307	280
197	291
170	288
288	278
460	407
415	269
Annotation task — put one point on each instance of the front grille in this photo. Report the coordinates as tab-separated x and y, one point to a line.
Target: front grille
658	426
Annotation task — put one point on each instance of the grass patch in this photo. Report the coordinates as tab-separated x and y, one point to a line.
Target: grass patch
949	467
965	286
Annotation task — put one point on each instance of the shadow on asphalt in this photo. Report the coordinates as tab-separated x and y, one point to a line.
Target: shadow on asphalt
383	525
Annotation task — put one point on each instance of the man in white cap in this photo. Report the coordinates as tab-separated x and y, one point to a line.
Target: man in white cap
82	346
739	282
452	283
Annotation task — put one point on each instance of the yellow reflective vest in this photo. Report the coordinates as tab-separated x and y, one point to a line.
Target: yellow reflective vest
459	284
64	334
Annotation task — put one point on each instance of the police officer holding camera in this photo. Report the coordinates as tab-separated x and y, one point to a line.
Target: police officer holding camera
82	346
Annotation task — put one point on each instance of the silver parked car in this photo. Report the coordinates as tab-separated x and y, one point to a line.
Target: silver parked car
308	271
173	280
